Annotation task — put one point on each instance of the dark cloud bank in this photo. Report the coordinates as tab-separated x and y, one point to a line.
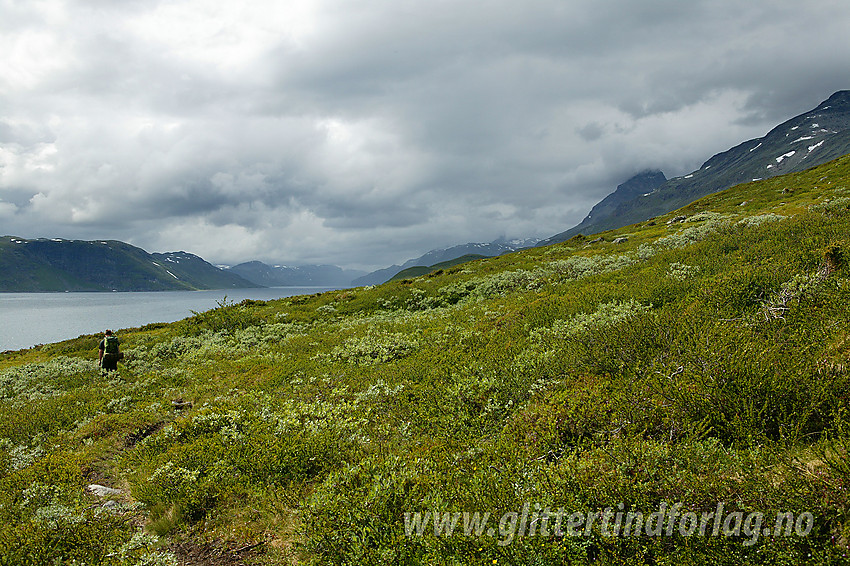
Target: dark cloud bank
362	133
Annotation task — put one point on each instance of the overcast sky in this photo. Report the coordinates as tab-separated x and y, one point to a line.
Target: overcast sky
366	132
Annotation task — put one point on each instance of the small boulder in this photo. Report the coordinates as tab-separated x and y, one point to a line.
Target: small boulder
103	491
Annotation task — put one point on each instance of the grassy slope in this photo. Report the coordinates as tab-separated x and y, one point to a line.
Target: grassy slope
698	362
420	270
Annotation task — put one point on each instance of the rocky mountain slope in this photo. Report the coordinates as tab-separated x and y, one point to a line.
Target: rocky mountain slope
814	137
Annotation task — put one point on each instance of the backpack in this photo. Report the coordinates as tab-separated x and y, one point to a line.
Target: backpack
110	345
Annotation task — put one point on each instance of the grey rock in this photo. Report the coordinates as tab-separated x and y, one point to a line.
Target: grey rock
103	491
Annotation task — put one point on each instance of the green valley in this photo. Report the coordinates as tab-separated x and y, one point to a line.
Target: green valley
696	359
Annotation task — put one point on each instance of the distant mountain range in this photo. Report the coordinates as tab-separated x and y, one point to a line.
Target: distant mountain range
104	265
305	275
810	139
494	248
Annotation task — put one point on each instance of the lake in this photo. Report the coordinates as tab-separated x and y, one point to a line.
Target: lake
28	319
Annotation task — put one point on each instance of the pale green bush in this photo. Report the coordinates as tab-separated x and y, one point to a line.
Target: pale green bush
58	514
706	215
171	480
834	207
578	267
39	495
682	271
420	301
374	348
266	334
606	314
791	291
644	252
760	219
30	382
694	234
379	389
140	551
23	456
504	282
543	341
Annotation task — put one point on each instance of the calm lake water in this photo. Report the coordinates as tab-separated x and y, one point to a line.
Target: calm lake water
28	319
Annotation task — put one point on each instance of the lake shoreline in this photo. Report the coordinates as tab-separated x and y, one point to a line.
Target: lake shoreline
35	319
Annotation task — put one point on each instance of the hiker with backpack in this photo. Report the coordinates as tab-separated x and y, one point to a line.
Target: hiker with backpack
109	352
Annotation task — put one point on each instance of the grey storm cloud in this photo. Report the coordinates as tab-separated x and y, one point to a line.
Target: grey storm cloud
365	132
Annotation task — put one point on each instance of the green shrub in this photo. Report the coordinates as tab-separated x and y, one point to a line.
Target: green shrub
374	348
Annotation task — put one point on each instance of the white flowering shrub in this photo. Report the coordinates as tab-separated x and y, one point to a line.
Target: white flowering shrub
693	234
682	271
48	379
760	219
578	267
267	334
23	456
706	216
504	282
606	314
374	348
172	481
833	207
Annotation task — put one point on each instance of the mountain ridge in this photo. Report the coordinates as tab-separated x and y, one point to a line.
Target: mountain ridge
809	139
56	264
486	249
303	275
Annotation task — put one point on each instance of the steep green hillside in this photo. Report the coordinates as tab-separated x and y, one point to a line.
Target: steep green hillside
419	270
693	369
110	265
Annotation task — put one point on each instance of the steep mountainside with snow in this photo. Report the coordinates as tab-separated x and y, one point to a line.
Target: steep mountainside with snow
295	275
810	139
103	265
